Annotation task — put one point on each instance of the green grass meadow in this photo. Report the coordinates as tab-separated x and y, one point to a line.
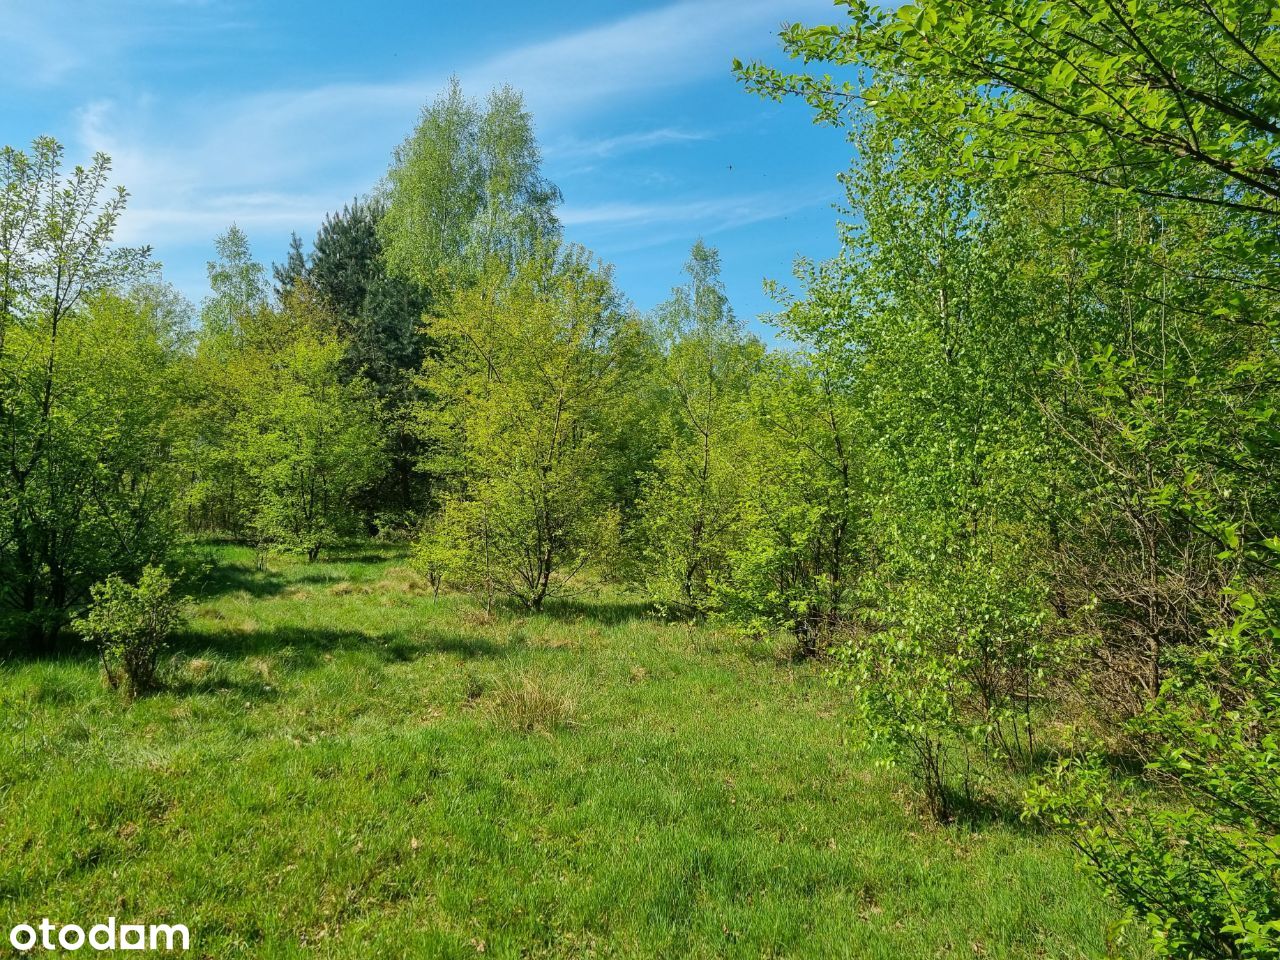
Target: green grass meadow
341	765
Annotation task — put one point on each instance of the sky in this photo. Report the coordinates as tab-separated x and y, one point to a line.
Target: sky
270	114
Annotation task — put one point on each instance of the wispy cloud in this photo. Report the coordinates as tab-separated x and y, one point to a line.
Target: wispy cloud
188	161
631	226
622	144
278	159
650	51
49	42
719	211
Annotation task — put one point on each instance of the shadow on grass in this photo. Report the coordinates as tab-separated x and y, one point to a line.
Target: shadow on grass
605	613
308	646
256	691
318	578
1130	764
219	580
66	646
211	574
227	578
363	552
983	810
466	647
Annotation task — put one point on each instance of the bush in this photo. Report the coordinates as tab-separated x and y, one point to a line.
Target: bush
440	551
525	547
1200	860
952	668
130	626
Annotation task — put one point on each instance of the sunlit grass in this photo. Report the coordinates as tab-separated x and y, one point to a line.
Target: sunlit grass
342	765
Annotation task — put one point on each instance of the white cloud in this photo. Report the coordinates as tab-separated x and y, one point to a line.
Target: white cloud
733	211
623	143
270	212
44	43
195	166
634	226
649	51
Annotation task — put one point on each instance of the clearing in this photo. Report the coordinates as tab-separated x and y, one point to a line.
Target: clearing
344	766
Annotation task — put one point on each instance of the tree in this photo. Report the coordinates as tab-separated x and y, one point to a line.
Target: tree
533	368
793	563
378	315
380	319
294	268
281	440
1172	104
307	442
962	470
1174	101
1135	145
688	505
85	383
465	188
238	284
236	318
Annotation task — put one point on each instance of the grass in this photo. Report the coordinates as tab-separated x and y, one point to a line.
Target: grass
343	766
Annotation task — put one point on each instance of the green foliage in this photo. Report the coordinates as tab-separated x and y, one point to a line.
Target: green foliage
794	555
234	321
446	548
294	268
280	440
950	669
688	504
87	381
1016	473
379	319
465	192
238	284
377	314
533	367
949	614
466	188
130	625
1201	868
1169	100
1058	306
306	442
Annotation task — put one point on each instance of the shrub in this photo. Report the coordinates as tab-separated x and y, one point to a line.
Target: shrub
439	552
950	672
130	626
1200	860
528	548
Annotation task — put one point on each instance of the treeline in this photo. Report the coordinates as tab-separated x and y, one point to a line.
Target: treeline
1015	476
440	367
1055	316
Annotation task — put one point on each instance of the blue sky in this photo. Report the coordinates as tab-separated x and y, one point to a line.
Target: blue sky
270	114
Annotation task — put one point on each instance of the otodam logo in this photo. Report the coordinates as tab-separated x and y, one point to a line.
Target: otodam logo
100	936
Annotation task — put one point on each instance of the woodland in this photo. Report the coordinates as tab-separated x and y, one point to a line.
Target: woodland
418	595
